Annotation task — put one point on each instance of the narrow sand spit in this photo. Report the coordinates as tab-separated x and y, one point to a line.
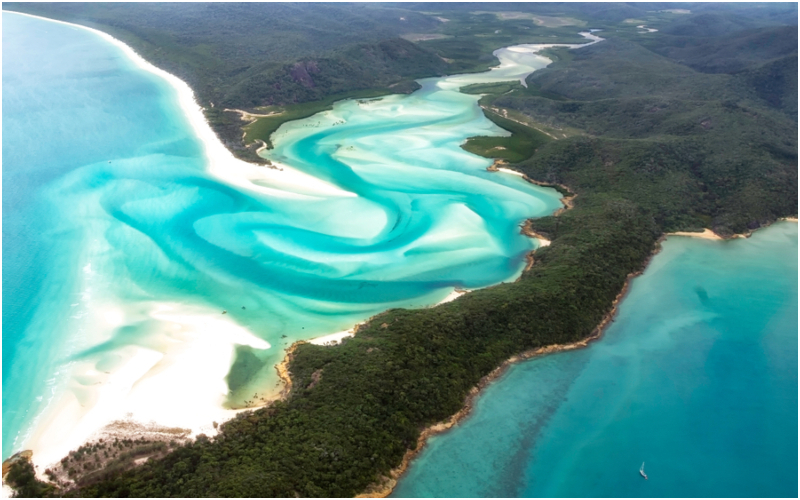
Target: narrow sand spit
456	293
707	234
177	381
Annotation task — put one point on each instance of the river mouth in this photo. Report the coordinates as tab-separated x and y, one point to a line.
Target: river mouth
169	272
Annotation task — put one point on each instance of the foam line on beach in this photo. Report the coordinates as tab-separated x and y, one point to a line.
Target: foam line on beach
221	162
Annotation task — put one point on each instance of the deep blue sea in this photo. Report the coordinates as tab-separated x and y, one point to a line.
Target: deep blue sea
696	377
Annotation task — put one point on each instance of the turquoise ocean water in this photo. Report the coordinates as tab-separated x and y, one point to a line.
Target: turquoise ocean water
696	377
110	215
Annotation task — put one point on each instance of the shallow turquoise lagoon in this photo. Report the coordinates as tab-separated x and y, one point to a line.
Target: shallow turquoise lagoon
121	250
696	377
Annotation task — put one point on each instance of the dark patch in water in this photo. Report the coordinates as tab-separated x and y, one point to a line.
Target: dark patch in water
244	368
512	475
702	294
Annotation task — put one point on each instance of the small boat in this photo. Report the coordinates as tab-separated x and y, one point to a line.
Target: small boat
641	471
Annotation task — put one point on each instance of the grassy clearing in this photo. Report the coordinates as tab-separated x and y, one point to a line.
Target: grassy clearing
523	142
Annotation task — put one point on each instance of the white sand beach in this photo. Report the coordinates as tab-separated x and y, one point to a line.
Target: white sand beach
509	171
333	338
176	380
175	375
707	234
456	293
179	380
288	181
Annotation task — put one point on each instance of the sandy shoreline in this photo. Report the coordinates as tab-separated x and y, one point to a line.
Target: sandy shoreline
153	386
387	485
221	162
223	165
333	338
176	381
708	234
338	337
70	421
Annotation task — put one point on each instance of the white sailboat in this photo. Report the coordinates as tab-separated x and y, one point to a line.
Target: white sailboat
641	471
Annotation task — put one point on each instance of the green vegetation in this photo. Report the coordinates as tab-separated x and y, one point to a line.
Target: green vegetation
558	54
663	148
474	36
244	56
491	88
22	478
522	143
405	370
526	136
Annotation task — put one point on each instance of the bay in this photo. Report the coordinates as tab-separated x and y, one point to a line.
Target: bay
148	276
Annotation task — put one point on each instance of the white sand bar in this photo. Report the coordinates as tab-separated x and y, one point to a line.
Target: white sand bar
333	338
177	380
453	296
707	234
509	171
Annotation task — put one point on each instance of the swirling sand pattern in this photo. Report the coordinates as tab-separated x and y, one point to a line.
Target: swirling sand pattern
136	267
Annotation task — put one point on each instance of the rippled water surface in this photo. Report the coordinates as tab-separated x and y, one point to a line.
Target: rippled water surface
696	377
121	251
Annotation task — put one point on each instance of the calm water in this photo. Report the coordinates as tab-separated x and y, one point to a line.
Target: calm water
118	245
697	377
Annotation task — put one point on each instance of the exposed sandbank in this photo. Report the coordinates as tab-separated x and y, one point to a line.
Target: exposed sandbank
168	385
456	293
333	338
177	381
156	385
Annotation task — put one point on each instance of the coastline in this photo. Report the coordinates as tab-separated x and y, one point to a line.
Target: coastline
69	422
708	234
178	382
59	421
220	162
567	199
387	484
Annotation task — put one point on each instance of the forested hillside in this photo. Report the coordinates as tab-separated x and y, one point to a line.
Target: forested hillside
217	46
718	150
